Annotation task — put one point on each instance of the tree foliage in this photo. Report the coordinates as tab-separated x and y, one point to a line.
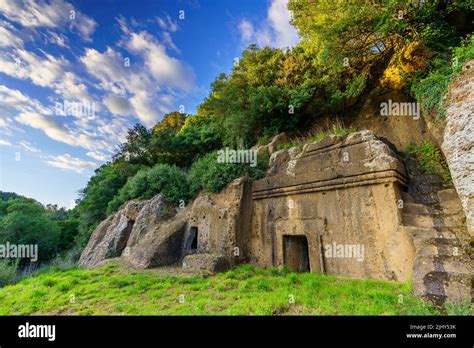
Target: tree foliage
24	221
168	180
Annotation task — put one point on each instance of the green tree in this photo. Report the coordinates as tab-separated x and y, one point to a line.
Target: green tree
172	121
168	180
26	222
136	148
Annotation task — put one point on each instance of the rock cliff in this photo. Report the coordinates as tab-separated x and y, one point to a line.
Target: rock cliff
345	205
458	143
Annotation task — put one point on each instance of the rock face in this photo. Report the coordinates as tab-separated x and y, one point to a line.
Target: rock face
331	207
345	206
111	236
209	262
208	234
433	216
271	147
458	143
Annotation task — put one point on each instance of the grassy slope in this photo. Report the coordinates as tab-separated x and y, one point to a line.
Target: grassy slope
113	291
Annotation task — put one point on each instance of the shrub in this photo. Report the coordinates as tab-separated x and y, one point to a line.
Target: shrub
431	160
168	180
8	273
207	173
430	90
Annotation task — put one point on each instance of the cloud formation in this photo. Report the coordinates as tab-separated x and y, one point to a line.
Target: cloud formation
49	14
45	71
67	162
144	83
32	113
275	31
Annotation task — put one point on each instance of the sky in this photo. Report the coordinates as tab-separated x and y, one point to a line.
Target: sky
75	75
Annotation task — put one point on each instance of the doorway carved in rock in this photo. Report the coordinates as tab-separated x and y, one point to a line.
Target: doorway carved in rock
296	253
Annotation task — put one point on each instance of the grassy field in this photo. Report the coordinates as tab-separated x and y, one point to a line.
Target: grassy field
113	290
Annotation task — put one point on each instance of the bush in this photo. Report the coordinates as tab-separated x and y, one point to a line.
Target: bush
430	90
431	160
8	273
207	173
168	180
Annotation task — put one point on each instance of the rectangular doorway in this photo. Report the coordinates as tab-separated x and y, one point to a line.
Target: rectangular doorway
296	253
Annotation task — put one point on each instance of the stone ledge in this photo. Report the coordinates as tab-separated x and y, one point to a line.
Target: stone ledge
260	191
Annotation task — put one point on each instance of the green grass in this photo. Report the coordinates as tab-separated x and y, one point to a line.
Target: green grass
246	290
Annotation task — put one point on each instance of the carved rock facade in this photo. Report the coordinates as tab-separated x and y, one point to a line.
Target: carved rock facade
339	206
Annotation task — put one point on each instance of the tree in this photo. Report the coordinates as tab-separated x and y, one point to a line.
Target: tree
135	148
172	121
168	180
26	222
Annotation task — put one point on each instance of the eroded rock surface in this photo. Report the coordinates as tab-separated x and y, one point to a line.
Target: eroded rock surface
111	236
152	233
208	262
458	143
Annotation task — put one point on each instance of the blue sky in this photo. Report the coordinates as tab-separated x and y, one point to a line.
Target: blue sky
75	75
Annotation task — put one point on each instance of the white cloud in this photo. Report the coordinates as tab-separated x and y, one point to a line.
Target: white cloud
24	65
58	131
167	24
67	162
14	99
7	125
142	103
9	36
115	128
108	68
145	87
167	71
246	30
29	147
97	156
168	41
49	14
5	143
71	87
276	31
57	39
117	105
32	113
47	71
115	77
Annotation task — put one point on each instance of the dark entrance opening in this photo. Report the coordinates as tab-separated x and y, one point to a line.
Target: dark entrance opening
296	253
193	237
